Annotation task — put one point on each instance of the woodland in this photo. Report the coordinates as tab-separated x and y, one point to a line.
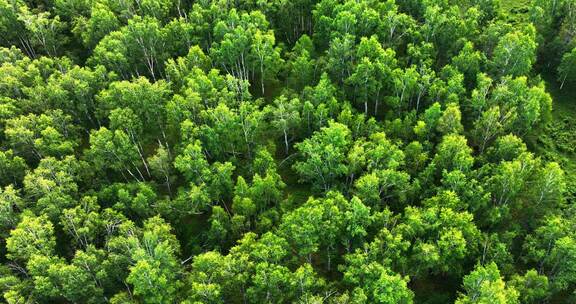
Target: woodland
288	151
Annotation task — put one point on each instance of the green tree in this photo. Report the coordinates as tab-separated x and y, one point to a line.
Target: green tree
154	272
271	283
208	276
324	156
192	163
83	222
45	33
491	124
552	247
244	47
372	74
35	136
12	168
146	100
515	53
267	57
34	235
116	151
13	28
485	285
324	225
469	62
57	280
266	190
549	186
134	49
531	286
443	237
111	52
100	23
161	167
450	123
383	187
74	93
508	182
566	69
341	58
376	282
453	153
301	64
10	204
53	185
286	118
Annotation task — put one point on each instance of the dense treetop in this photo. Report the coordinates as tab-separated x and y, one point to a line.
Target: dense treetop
276	151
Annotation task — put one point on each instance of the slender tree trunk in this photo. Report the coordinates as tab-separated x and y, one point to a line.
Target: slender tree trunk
262	76
286	140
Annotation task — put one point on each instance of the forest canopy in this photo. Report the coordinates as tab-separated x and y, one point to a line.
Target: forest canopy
286	151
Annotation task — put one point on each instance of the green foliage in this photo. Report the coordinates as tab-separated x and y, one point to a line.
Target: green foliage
375	283
552	245
324	154
484	285
566	70
155	267
515	52
354	151
34	235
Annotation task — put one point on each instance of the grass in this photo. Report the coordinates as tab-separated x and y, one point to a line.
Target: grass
514	5
556	140
297	193
515	11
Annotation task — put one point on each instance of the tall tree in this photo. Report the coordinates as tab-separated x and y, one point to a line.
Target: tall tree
485	285
566	69
286	118
34	235
515	53
324	156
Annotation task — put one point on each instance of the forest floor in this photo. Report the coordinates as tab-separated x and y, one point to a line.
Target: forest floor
515	10
556	140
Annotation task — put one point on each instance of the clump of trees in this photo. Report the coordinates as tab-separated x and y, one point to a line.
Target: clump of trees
327	151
